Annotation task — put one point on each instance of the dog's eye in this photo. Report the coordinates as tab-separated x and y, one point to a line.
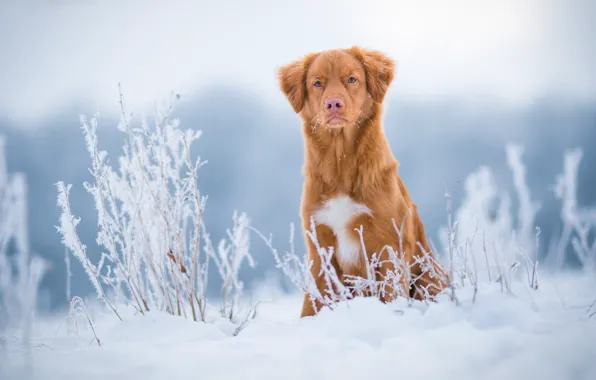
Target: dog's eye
351	80
318	83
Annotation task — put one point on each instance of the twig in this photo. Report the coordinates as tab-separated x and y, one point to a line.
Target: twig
77	304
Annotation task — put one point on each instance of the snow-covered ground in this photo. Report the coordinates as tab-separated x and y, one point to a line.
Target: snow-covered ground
542	334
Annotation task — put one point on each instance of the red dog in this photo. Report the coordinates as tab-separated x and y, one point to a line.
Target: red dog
350	173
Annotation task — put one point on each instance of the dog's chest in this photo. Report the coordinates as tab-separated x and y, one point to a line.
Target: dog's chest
338	213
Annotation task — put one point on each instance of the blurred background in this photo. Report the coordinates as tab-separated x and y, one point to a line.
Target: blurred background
472	76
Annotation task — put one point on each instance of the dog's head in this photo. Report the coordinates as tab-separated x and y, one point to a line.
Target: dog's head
337	88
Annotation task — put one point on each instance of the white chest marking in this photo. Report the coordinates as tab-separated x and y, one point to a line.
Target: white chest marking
337	213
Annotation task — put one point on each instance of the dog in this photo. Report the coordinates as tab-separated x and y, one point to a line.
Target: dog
350	173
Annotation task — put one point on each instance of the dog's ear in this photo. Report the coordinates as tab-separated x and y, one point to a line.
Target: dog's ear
292	79
379	70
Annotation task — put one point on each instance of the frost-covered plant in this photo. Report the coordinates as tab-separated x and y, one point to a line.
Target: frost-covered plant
228	258
76	309
20	272
488	245
298	271
387	275
579	224
525	233
156	251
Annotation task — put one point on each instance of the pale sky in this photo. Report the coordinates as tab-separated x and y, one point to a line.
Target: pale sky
59	52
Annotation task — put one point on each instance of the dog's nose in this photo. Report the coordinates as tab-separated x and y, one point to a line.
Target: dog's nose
333	105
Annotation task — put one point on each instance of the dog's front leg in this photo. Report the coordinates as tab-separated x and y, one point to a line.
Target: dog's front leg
326	240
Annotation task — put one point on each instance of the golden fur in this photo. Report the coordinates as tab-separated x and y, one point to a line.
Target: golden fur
350	156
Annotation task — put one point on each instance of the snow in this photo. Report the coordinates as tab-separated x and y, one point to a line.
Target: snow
336	213
543	334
